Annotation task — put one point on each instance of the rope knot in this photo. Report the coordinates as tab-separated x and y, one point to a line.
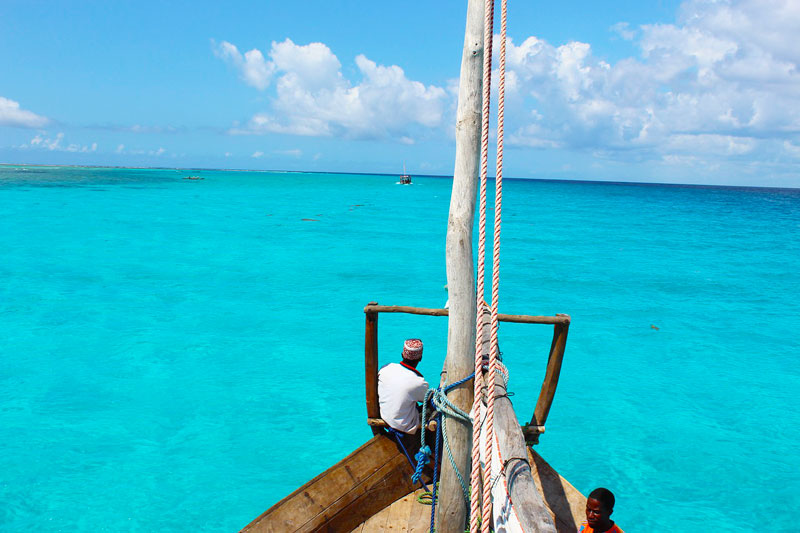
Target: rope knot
423	458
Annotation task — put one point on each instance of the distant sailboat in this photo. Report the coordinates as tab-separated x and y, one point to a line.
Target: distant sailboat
405	179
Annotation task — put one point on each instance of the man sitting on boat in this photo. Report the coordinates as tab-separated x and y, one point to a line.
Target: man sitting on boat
599	507
400	387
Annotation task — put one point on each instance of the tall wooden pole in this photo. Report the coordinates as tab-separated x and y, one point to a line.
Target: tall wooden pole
452	508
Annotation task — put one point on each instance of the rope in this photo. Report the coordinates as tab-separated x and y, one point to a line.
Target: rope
438	459
475	478
449	410
498	209
494	365
418	466
438	399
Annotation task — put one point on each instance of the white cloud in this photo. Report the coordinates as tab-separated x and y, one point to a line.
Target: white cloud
257	154
12	115
313	98
725	145
792	149
721	82
252	66
120	149
724	81
55	144
623	30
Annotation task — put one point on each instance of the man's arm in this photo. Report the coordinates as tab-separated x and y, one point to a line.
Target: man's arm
420	391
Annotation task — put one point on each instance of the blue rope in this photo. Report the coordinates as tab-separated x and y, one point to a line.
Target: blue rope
435	492
423	458
438	398
457	383
397	436
448	409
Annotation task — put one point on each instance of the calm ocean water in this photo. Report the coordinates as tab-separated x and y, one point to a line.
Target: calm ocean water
179	353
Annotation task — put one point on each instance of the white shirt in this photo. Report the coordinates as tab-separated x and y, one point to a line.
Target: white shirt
399	390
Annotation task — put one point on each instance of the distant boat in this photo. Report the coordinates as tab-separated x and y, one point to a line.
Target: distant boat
192	178
405	179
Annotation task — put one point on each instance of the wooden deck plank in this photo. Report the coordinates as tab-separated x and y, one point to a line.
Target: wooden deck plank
397	515
377	523
405	515
419	519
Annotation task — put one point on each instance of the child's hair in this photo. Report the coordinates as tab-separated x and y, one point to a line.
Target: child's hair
604	496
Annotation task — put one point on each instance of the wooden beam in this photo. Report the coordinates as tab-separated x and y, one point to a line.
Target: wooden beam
550	383
371	366
520	319
451	512
406	309
528	504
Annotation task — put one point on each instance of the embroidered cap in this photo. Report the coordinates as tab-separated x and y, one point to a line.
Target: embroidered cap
412	350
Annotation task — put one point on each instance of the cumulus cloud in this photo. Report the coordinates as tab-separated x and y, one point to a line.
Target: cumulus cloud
723	80
720	82
11	114
252	66
56	144
257	154
313	98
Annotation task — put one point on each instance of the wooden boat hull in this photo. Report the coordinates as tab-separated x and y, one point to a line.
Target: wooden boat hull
371	478
370	488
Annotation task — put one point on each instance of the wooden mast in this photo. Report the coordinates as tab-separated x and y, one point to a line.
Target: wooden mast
459	363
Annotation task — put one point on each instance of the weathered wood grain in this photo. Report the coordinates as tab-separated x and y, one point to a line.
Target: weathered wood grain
371	365
552	374
360	485
520	319
528	503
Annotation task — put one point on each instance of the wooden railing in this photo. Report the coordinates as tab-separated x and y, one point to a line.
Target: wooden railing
534	428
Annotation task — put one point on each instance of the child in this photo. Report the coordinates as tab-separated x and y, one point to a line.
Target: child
599	507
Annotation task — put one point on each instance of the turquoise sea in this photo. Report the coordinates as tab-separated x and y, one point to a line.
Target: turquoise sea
180	354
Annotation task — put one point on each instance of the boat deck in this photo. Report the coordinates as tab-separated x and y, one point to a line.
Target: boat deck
564	502
405	515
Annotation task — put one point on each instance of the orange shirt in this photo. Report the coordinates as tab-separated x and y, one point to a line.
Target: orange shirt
586	529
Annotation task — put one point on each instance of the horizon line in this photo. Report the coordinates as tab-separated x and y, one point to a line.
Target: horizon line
445	176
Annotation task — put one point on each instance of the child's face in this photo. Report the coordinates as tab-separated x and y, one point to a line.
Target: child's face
596	514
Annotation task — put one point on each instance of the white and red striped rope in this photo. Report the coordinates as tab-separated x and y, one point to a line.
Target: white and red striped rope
486	499
475	477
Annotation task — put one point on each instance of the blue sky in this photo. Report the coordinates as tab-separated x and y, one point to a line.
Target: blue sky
701	91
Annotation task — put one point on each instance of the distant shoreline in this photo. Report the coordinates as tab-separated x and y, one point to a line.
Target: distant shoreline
439	176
